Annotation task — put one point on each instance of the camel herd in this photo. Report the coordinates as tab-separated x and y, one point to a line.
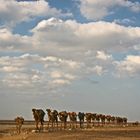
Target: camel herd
73	118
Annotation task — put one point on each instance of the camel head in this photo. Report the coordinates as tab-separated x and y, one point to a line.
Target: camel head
33	110
48	110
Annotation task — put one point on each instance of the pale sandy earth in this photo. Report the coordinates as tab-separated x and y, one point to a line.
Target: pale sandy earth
99	133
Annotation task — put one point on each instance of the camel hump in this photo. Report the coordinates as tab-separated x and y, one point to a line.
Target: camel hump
42	113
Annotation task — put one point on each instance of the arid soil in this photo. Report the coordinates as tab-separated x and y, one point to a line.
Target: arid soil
99	133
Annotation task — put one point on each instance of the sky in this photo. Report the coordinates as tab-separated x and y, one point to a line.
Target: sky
73	55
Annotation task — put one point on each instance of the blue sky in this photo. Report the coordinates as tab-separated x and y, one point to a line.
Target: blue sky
74	55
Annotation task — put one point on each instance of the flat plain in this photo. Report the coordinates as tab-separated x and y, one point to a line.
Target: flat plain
111	132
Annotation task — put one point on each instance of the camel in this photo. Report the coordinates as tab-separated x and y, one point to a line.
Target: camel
81	117
73	119
39	117
93	118
121	121
113	119
88	117
19	122
53	117
103	118
63	115
124	120
108	118
98	119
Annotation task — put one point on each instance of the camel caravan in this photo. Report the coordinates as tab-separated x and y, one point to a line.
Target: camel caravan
69	120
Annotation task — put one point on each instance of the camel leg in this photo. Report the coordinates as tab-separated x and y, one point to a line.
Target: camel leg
41	126
64	125
57	125
76	124
19	129
37	125
52	125
70	124
61	125
87	124
80	124
48	124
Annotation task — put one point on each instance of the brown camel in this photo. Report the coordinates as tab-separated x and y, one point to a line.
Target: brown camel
39	118
124	120
81	117
19	122
93	118
63	115
98	119
113	119
73	119
108	119
88	117
52	117
103	118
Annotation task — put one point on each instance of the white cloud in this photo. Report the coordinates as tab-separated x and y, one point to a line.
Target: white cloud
30	71
70	36
59	52
12	12
60	74
96	70
60	82
56	74
35	77
130	66
50	58
76	37
10	69
101	55
98	9
13	42
17	80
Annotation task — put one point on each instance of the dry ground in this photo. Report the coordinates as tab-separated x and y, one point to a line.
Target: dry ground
104	133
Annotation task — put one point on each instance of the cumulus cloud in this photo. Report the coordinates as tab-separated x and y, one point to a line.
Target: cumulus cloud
13	42
31	71
130	66
72	36
59	52
98	9
13	12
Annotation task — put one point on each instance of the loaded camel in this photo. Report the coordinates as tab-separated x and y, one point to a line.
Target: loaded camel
63	115
73	119
38	115
52	117
81	117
